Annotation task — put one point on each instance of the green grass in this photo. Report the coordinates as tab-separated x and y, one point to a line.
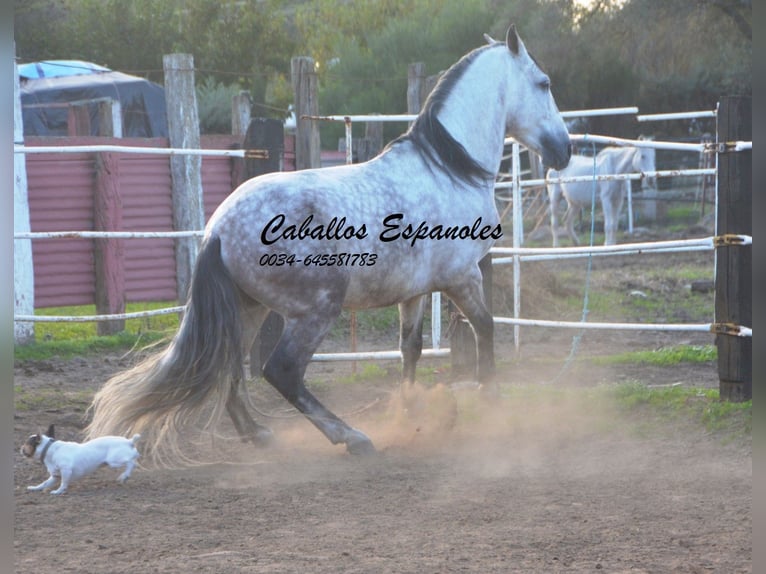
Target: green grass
71	339
682	403
666	356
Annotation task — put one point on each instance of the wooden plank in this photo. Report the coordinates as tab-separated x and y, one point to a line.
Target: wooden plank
23	267
307	143
186	170
733	282
108	254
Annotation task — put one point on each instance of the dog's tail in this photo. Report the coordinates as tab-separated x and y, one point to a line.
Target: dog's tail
171	388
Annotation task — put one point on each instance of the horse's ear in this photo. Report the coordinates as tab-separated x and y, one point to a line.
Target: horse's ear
51	431
512	39
489	39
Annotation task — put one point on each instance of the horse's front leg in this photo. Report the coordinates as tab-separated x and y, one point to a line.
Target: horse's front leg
468	296
286	368
554	192
411	335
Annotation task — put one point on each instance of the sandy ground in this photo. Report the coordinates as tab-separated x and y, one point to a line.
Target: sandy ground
533	483
540	481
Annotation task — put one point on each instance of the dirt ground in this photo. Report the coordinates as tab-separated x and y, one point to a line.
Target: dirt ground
538	482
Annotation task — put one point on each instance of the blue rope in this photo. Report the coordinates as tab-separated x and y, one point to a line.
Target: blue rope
586	297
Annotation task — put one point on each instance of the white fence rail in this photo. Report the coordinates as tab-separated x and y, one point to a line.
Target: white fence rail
513	255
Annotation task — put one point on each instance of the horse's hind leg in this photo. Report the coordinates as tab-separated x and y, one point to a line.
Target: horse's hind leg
411	335
286	367
469	298
253	316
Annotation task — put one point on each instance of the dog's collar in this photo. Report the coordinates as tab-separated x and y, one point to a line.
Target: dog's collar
45	450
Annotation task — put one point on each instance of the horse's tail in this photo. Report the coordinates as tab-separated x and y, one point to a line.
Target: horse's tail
172	387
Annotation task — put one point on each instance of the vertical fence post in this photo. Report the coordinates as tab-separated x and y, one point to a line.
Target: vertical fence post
241	109
416	73
23	268
108	254
185	170
307	144
265	140
734	271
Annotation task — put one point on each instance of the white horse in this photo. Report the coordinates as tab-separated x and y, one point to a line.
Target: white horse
611	160
415	219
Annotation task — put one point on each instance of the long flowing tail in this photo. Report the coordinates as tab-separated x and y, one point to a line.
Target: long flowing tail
173	387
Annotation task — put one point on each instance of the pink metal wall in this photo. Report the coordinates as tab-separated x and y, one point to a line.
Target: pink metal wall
61	188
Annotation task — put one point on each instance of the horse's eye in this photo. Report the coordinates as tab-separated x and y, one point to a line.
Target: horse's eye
545	84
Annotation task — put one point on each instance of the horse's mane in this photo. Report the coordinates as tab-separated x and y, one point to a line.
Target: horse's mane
432	140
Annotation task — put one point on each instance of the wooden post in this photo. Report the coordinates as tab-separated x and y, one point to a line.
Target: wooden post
373	133
110	118
734	271
416	73
109	254
185	170
264	135
241	108
307	144
23	268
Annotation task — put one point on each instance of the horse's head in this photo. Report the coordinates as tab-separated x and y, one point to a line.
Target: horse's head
644	161
532	116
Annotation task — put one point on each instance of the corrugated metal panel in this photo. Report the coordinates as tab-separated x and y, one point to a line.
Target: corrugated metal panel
145	183
216	182
60	191
61	188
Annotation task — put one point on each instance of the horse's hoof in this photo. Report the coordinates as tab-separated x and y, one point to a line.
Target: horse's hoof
262	438
360	445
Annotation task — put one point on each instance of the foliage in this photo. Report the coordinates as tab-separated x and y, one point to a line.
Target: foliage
234	42
662	56
369	73
214	105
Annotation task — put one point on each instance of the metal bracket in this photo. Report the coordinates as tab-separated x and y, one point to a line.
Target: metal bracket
256	154
729	239
721	147
726	329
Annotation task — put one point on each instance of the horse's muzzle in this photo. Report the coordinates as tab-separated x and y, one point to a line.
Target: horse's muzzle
557	155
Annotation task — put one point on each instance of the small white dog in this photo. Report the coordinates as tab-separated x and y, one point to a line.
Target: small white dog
72	460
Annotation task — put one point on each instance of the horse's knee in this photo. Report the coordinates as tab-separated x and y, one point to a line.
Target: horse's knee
284	375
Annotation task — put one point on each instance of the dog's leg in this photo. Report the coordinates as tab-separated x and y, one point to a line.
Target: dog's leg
66	475
126	473
43	485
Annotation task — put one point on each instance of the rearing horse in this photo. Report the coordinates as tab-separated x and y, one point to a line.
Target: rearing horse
415	219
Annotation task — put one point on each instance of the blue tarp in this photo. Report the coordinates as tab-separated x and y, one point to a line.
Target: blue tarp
46	88
57	68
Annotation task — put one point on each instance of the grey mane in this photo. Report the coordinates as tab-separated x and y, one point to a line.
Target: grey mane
432	140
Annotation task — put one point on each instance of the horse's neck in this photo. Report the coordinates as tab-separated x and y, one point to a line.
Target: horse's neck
474	112
622	160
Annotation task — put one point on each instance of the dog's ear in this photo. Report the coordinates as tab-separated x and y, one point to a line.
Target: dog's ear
51	431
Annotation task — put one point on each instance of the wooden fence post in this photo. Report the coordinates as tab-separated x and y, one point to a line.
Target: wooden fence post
307	144
266	138
241	109
23	268
416	73
185	170
734	271
108	254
